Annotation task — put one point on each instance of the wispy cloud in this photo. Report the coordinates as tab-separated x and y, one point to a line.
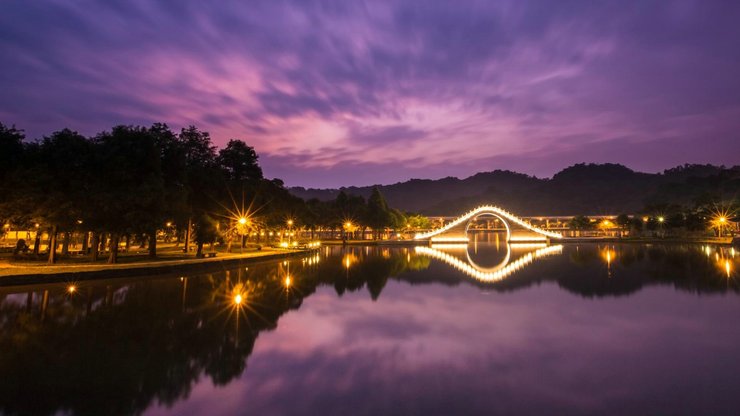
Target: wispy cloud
401	88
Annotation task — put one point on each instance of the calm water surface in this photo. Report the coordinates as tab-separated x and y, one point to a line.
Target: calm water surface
483	329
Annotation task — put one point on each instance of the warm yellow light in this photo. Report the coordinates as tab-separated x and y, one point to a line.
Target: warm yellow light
238	299
661	219
727	267
290	222
722	219
71	288
284	244
645	219
242	220
347	224
489	276
287	281
487	209
349	260
169	224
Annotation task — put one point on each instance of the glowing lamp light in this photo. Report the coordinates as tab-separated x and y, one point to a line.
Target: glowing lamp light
238	299
290	222
242	221
727	268
661	219
722	220
287	281
71	289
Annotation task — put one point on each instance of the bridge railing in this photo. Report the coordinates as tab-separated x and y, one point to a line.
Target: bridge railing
488	209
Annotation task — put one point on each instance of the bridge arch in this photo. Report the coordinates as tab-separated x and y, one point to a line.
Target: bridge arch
492	269
516	228
500	272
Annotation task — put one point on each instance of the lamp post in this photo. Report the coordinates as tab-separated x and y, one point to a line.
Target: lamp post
347	229
721	221
242	230
290	227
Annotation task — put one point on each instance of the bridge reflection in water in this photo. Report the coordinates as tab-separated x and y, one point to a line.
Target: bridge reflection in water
517	257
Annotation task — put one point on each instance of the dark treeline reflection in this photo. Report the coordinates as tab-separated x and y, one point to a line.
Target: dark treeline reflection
621	269
120	346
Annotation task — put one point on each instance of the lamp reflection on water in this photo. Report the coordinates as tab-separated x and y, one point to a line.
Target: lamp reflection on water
728	269
348	260
608	254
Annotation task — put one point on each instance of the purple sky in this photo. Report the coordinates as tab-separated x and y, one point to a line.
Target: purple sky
351	93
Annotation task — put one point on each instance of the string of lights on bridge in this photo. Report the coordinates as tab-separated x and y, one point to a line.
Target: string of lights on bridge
488	209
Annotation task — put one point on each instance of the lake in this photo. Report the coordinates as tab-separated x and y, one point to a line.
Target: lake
487	328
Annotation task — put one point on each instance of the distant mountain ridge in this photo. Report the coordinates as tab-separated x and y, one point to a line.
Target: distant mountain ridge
579	189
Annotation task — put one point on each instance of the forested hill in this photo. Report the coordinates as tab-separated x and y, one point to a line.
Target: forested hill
578	189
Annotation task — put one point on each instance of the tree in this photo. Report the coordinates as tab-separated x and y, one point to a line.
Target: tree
55	186
378	216
129	187
11	155
580	222
174	182
623	221
201	175
11	149
206	232
239	161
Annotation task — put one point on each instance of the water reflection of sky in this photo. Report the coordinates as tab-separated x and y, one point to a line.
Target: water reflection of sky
593	329
437	349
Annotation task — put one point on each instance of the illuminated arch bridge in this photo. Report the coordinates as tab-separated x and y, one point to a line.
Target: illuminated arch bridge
517	230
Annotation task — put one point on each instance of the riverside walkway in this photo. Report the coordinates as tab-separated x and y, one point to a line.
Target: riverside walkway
27	272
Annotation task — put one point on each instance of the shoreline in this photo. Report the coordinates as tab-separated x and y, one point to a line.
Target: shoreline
40	274
723	242
565	240
67	273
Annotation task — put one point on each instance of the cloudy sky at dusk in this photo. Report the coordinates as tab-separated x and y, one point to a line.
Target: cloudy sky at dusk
352	93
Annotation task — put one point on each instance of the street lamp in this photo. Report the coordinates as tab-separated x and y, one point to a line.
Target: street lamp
721	221
290	226
242	228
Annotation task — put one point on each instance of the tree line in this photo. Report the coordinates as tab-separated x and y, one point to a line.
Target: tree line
131	181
